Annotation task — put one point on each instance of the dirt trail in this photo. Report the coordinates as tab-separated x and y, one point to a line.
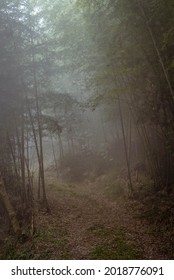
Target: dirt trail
86	224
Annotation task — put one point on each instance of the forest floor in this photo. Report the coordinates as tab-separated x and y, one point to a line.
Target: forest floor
89	221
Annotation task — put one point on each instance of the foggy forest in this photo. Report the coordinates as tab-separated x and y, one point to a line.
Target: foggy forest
86	129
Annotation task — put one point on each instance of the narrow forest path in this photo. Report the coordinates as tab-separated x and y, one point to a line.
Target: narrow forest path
87	224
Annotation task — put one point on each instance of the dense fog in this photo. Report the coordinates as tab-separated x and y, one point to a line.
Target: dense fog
86	94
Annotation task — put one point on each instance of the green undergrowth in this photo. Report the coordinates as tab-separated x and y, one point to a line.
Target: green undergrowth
43	245
112	185
115	189
52	243
63	188
14	250
72	190
111	245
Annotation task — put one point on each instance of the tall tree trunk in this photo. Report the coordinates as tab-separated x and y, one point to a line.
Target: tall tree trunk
9	208
38	113
23	157
13	156
36	143
22	165
125	146
54	156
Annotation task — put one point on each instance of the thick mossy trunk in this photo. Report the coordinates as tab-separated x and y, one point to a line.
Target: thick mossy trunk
9	208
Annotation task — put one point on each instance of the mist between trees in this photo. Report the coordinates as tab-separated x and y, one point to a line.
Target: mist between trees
86	89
